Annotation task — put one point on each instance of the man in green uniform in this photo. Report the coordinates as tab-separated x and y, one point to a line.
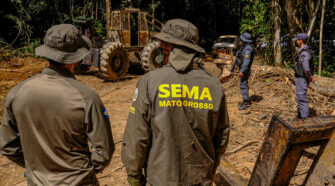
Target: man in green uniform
49	118
178	125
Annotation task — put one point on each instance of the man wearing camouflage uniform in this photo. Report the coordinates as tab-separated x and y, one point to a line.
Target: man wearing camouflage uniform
246	56
49	118
178	125
303	73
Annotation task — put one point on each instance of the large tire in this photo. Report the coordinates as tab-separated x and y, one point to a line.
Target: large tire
148	56
114	61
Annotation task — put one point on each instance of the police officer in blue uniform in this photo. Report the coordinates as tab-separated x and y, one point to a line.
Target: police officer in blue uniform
246	56
304	73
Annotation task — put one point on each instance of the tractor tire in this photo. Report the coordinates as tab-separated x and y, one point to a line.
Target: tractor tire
148	56
114	61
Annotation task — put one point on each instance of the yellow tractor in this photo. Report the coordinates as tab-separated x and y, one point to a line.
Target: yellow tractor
128	42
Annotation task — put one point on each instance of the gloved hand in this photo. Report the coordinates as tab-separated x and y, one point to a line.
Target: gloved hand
136	181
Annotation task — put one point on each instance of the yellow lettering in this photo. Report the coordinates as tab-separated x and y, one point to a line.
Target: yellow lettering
201	105
173	102
185	103
179	103
176	90
132	110
206	106
190	104
162	103
210	106
193	94
206	94
162	89
168	104
195	105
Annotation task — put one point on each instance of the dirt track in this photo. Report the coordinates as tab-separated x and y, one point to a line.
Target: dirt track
117	97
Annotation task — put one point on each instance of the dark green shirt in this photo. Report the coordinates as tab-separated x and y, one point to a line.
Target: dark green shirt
49	119
178	125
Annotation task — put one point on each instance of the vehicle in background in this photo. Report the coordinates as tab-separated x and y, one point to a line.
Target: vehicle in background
130	31
226	44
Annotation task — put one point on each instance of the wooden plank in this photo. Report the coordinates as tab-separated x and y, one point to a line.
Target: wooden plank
287	169
274	148
324	171
283	145
313	129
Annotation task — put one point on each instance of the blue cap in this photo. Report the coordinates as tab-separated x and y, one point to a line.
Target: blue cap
301	36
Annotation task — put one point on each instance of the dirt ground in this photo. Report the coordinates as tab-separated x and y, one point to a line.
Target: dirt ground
117	97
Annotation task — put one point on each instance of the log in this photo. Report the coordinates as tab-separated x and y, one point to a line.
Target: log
283	146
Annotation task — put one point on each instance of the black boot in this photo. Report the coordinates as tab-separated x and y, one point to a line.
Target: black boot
244	105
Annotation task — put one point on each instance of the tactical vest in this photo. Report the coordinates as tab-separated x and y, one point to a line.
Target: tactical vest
241	56
298	68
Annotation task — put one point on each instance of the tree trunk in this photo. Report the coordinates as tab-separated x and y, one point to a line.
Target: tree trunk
312	22
152	9
71	10
321	31
108	15
96	11
276	43
291	25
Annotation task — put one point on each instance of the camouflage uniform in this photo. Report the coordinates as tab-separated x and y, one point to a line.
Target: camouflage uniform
178	126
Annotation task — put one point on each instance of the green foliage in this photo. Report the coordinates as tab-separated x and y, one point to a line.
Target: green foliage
100	28
26	10
29	48
257	19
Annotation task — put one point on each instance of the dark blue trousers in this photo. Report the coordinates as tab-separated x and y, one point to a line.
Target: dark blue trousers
244	87
301	85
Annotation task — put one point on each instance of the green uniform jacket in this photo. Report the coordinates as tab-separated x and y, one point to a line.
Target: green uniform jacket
47	122
178	125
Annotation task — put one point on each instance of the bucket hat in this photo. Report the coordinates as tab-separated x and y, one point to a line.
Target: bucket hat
301	36
246	37
180	32
64	44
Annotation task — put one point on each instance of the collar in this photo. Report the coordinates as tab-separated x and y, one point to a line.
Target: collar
304	47
57	71
180	60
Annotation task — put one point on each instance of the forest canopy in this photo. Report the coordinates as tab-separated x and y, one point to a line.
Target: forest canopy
25	22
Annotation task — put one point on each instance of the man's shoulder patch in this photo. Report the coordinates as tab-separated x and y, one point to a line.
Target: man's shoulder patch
246	53
136	94
106	113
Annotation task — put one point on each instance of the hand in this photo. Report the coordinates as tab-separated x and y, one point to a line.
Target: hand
240	74
313	79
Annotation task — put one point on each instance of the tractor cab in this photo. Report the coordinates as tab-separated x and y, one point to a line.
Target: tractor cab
130	27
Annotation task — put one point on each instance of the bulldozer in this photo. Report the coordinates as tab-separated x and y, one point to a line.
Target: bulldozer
128	43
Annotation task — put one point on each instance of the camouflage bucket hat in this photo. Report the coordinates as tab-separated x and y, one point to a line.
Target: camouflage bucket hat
64	44
180	32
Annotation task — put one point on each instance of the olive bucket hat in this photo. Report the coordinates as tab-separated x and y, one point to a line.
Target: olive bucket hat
180	32
64	44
